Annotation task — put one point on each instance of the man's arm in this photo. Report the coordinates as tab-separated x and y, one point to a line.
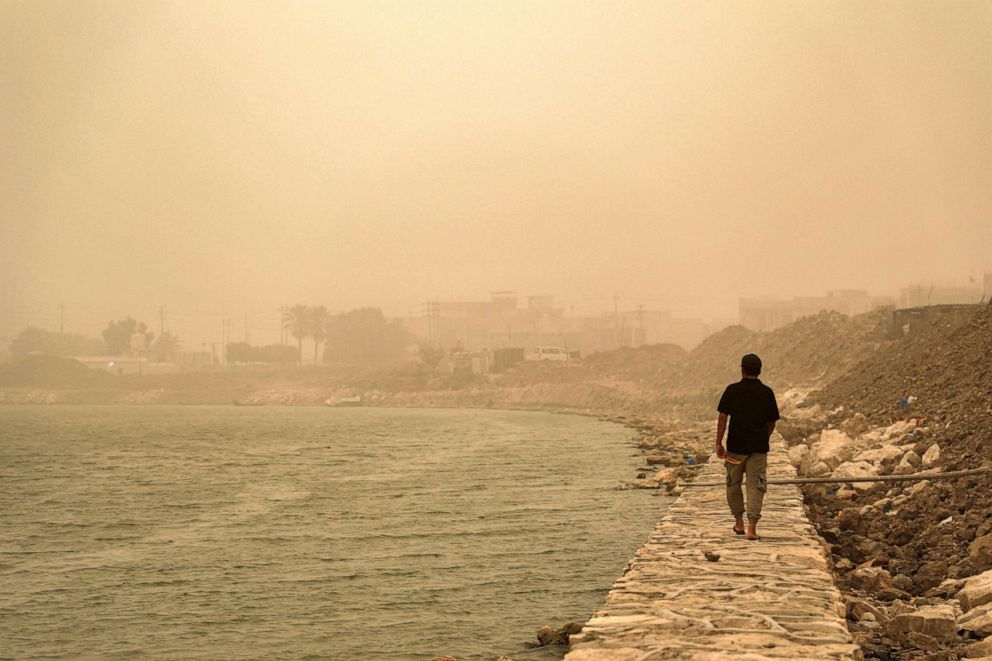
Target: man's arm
721	428
771	428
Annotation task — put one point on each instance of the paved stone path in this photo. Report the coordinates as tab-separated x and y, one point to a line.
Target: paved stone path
767	599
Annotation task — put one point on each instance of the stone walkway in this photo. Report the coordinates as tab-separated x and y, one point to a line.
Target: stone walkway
768	599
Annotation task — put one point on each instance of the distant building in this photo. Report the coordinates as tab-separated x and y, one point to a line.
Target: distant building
500	323
766	314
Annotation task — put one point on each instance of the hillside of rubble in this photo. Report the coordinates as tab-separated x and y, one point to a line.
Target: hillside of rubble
919	405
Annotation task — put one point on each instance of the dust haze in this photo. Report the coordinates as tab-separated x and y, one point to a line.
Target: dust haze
224	159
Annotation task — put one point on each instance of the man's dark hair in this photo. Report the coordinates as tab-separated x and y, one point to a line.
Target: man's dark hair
751	365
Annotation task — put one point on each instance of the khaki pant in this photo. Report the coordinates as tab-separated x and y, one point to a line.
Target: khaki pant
755	466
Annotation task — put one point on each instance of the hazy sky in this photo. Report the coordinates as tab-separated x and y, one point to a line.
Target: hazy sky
241	155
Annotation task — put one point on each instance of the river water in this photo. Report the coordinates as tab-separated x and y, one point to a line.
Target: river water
244	532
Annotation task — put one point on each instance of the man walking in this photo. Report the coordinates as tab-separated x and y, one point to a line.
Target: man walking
752	409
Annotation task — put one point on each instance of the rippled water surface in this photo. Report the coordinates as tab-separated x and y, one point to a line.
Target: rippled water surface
241	532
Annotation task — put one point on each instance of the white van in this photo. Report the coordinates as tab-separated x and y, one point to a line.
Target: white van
547	353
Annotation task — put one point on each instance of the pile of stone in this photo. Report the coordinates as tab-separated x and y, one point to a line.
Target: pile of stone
673	458
952	620
902	448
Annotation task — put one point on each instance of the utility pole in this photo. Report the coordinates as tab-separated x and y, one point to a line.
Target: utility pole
640	324
61	318
432	321
616	320
161	332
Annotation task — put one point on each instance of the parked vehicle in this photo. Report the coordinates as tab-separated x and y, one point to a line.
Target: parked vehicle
547	353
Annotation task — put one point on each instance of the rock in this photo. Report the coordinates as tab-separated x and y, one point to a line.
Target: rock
923	642
819	469
978	620
879	456
976	591
902	582
444	658
843	565
712	556
858	469
548	636
940	622
834	447
850	519
667	476
571	628
857	608
870	578
855	425
898	429
798	454
505	658
891	594
979	649
947	589
905	466
912	458
931	456
980	552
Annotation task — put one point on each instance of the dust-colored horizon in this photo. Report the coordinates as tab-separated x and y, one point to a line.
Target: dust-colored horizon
235	157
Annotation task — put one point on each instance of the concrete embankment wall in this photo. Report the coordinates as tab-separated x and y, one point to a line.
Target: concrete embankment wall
768	599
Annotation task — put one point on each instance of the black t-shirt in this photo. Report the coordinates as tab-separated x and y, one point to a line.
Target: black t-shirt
751	406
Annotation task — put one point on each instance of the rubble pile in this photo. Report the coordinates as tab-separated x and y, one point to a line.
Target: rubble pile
672	456
908	549
41	370
665	378
811	351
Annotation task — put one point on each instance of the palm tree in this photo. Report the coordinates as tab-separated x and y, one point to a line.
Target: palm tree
297	321
318	327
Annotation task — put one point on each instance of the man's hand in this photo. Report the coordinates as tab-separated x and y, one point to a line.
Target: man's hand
721	428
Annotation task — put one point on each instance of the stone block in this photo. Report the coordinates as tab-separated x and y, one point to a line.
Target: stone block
931	456
798	453
980	552
979	649
834	447
882	455
976	591
940	622
978	619
857	609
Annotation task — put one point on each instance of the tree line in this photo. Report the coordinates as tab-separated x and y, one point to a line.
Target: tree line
360	336
363	335
117	340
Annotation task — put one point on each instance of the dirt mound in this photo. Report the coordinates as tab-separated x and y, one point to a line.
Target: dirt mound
807	352
51	371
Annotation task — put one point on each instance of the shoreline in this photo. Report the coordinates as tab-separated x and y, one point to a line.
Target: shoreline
664	443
